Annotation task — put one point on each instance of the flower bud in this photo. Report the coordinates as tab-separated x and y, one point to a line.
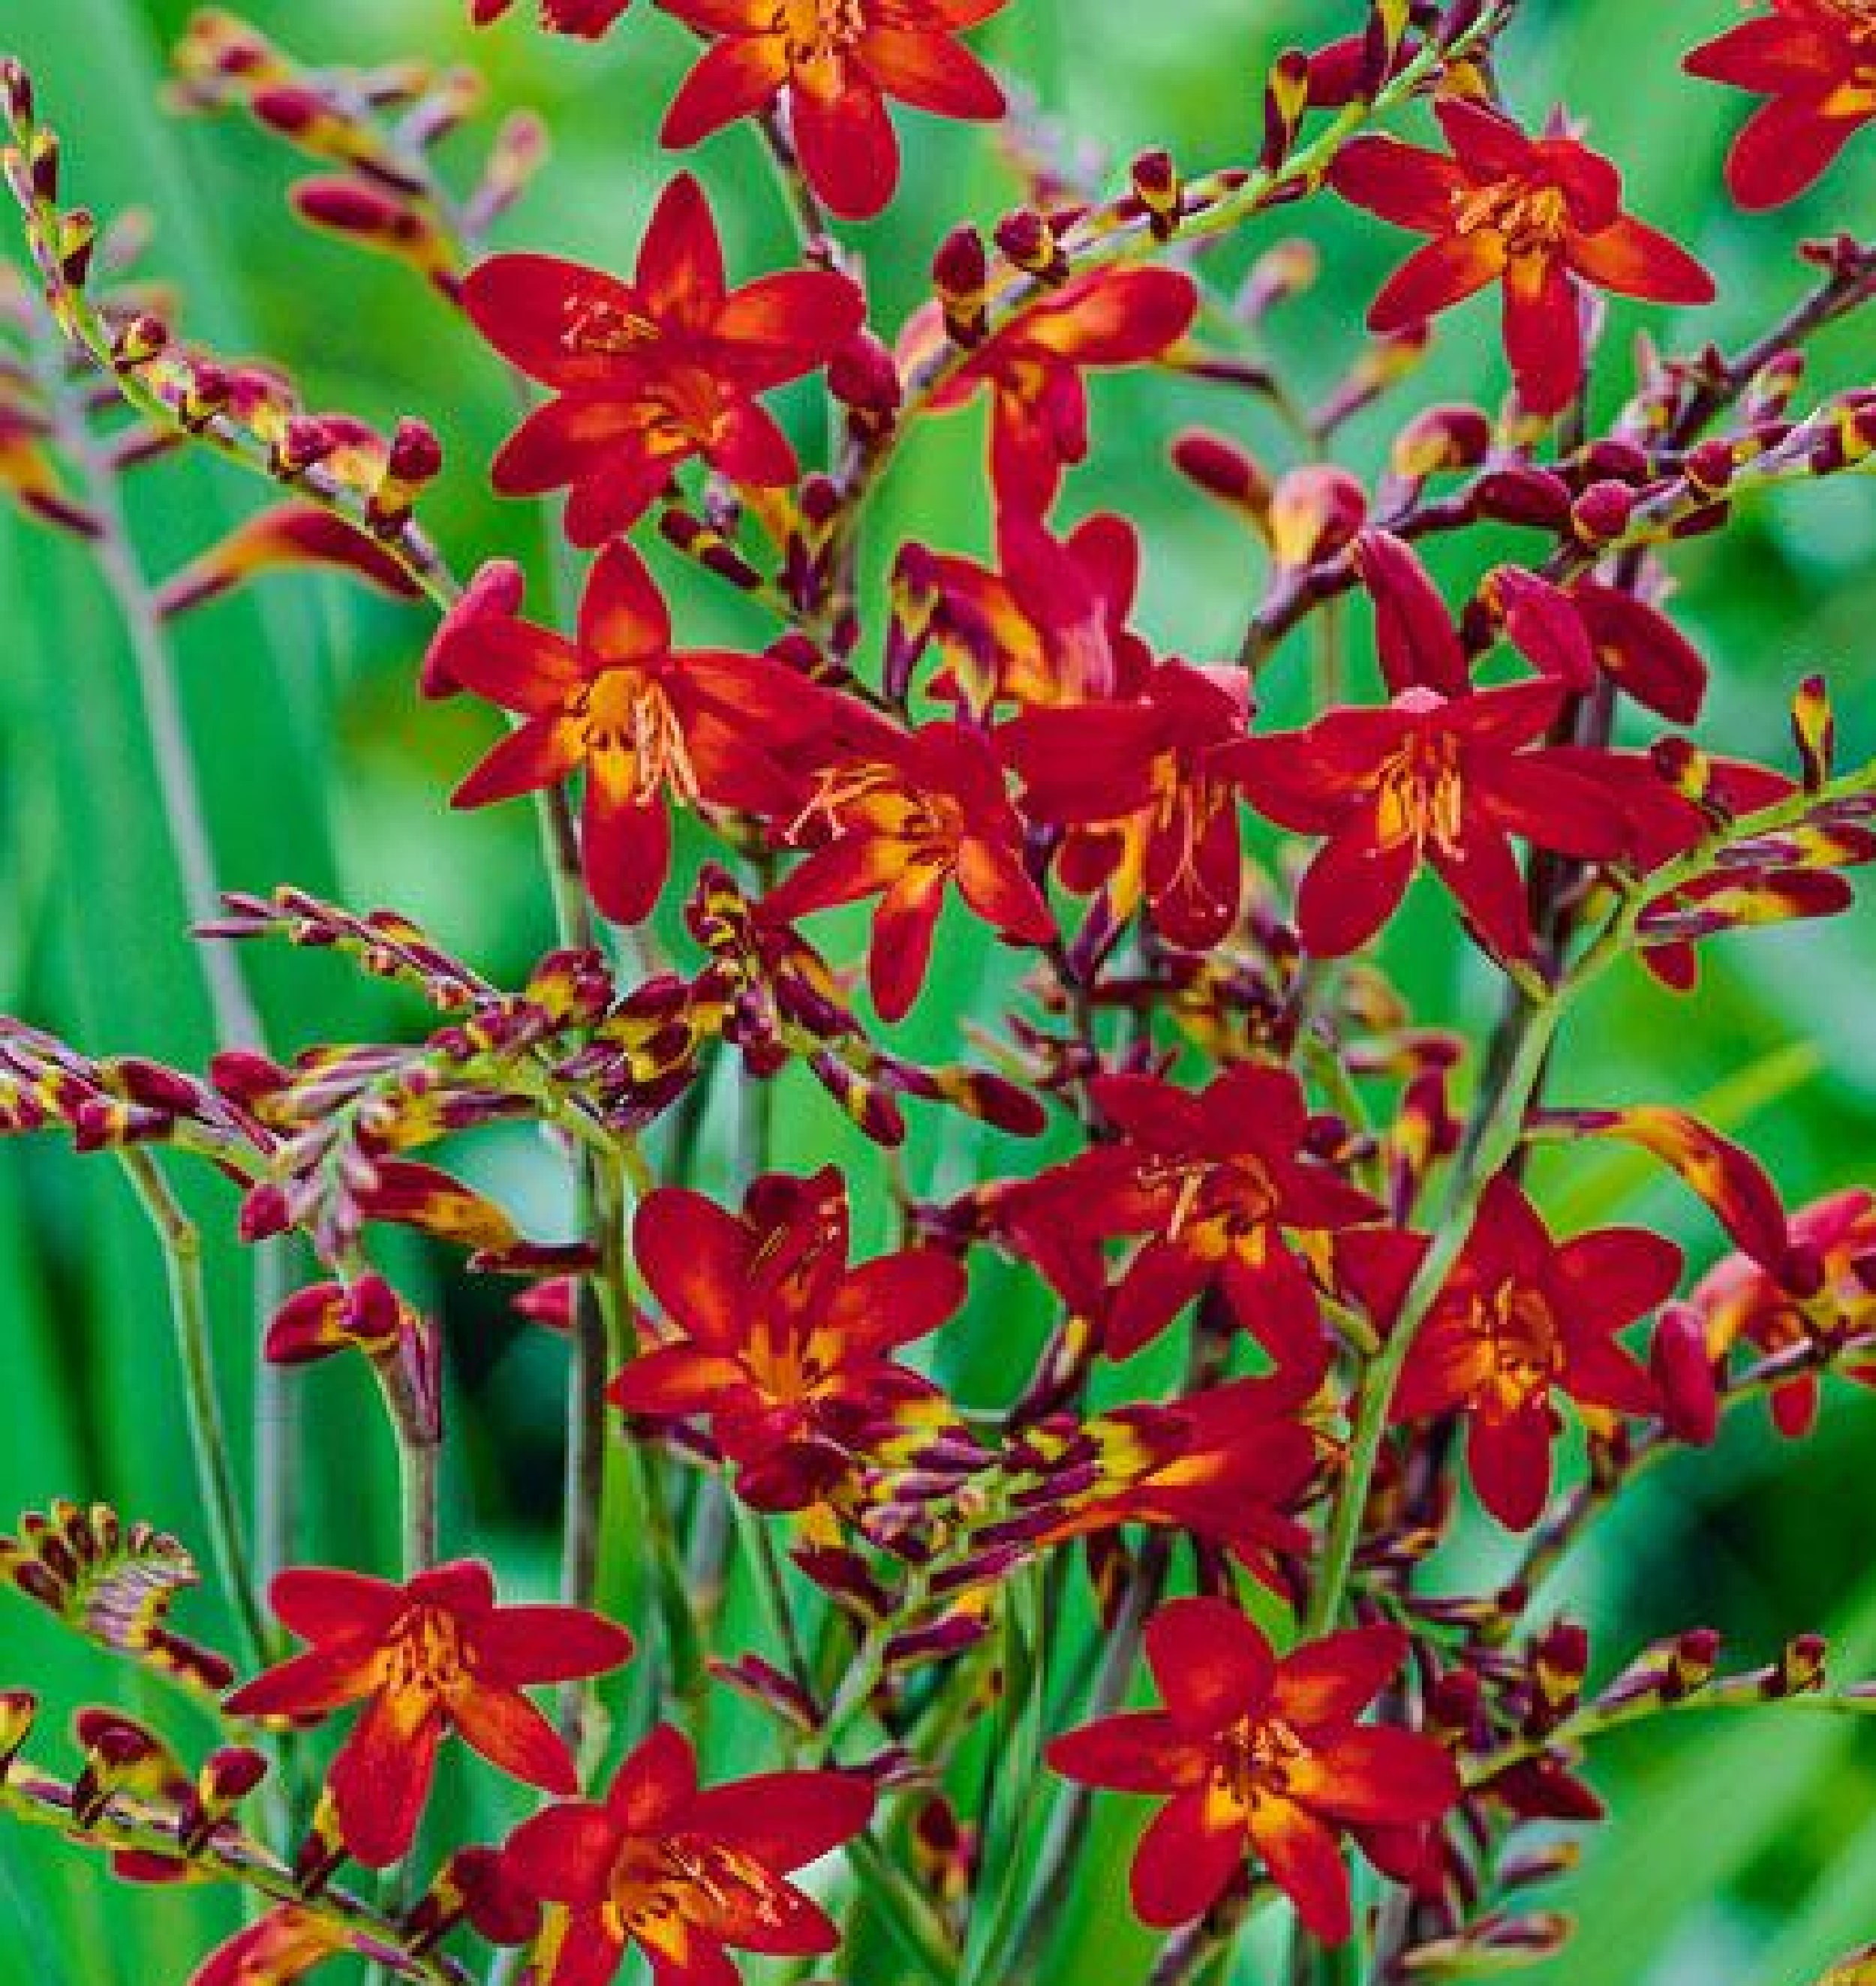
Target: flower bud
961	274
1682	1368
1224	471
1029	238
1156	186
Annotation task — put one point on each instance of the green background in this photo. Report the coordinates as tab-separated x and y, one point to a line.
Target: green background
1742	1852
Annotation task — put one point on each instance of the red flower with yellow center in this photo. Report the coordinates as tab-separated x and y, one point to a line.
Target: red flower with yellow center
784	1348
1260	1756
834	62
1522	1319
645	724
1815	62
1033	369
1215	1181
1429	781
682	1873
1739	1300
1145	788
919	812
435	1656
1051	627
1229	1464
1543	216
648	374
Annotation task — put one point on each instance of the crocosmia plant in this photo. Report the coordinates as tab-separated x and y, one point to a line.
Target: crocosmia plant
989	1291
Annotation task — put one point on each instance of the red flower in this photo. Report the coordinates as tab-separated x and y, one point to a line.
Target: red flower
436	1656
1145	788
787	1350
649	373
1228	1465
1051	626
1741	1302
1521	1319
1033	369
1262	1756
683	1873
1542	215
1215	1181
835	62
1815	62
918	811
642	721
588	18
1427	781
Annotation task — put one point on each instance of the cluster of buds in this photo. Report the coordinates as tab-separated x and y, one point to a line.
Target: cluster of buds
114	1583
375	130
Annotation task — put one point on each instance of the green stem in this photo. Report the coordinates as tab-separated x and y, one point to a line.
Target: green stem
182	1257
1504	1127
1598	1720
228	1857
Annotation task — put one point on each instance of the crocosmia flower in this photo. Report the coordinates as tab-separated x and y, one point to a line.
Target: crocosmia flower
435	1656
648	374
1143	785
1544	217
786	1349
1033	369
1433	781
1215	1182
1740	1301
834	62
1050	627
1263	1757
911	815
683	1873
645	724
1523	1320
1815	62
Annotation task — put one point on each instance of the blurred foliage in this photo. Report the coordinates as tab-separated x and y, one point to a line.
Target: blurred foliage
1746	1854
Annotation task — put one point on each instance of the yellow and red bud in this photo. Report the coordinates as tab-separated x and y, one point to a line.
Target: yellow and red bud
1288	270
1159	190
1813	726
413	462
1029	238
1314	513
1559	1662
18	1707
1225	471
1286	98
1692	1659
1602	514
1441	438
961	275
1801	1667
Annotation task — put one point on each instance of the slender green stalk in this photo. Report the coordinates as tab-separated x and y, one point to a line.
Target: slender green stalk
1598	1720
182	1259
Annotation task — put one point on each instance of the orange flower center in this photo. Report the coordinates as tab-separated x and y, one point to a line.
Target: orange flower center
1218	1208
817	34
1523	1352
593	327
661	1889
786	1366
1531	215
874	800
631	737
424	1654
1421	793
1256	1760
